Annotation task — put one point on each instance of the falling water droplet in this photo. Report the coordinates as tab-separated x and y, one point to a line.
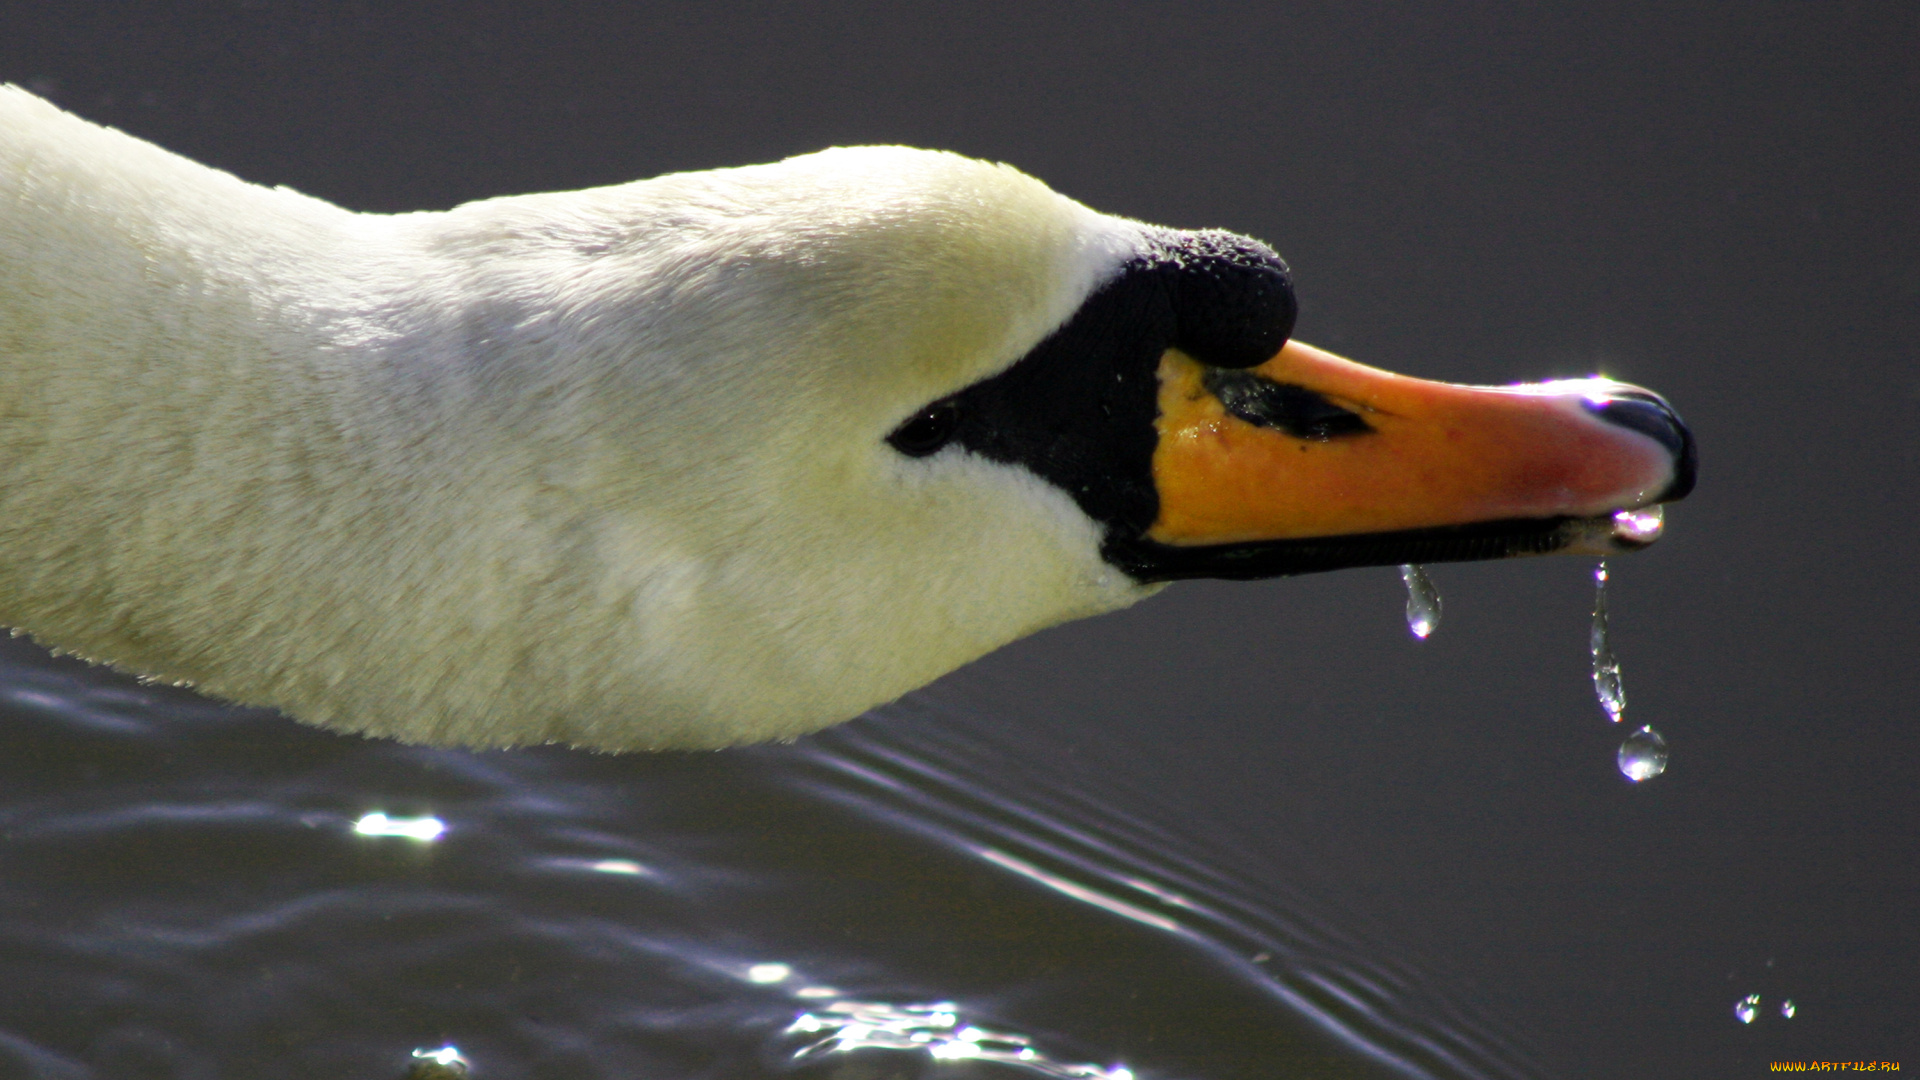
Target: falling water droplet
1747	1008
1786	1008
1423	601
1643	756
1606	668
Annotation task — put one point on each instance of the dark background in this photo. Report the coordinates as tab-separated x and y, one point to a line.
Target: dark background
1719	202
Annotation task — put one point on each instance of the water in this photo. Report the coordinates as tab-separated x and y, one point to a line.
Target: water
1640	527
424	829
936	1030
1748	1009
1423	601
198	891
445	1063
1643	755
1606	667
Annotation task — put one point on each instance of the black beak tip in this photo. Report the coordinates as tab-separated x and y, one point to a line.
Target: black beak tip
1650	415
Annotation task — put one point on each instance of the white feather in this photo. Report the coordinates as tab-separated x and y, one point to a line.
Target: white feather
601	467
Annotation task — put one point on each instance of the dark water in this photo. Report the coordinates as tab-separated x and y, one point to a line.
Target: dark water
183	893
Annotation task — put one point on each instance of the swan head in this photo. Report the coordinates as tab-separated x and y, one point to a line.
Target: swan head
703	459
830	428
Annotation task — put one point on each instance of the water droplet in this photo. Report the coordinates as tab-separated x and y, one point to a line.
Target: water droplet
1643	756
1423	601
1640	527
1786	1008
1747	1008
1606	668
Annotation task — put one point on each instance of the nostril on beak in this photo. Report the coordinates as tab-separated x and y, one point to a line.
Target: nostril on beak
1650	415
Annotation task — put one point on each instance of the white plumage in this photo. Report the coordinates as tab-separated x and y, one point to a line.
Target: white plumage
603	467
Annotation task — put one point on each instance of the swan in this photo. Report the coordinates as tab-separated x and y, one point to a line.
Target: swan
702	459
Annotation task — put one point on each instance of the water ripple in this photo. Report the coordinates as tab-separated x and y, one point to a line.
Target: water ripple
188	890
963	793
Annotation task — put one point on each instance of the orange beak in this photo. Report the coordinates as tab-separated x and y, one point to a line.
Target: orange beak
1309	445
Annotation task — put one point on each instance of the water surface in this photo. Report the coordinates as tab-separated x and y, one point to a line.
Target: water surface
912	895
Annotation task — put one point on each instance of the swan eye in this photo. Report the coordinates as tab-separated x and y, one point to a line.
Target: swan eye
927	430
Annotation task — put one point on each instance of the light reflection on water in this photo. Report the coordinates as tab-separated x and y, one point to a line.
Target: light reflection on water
194	891
423	829
933	1030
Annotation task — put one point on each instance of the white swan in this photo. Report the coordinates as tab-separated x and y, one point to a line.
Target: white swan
689	461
